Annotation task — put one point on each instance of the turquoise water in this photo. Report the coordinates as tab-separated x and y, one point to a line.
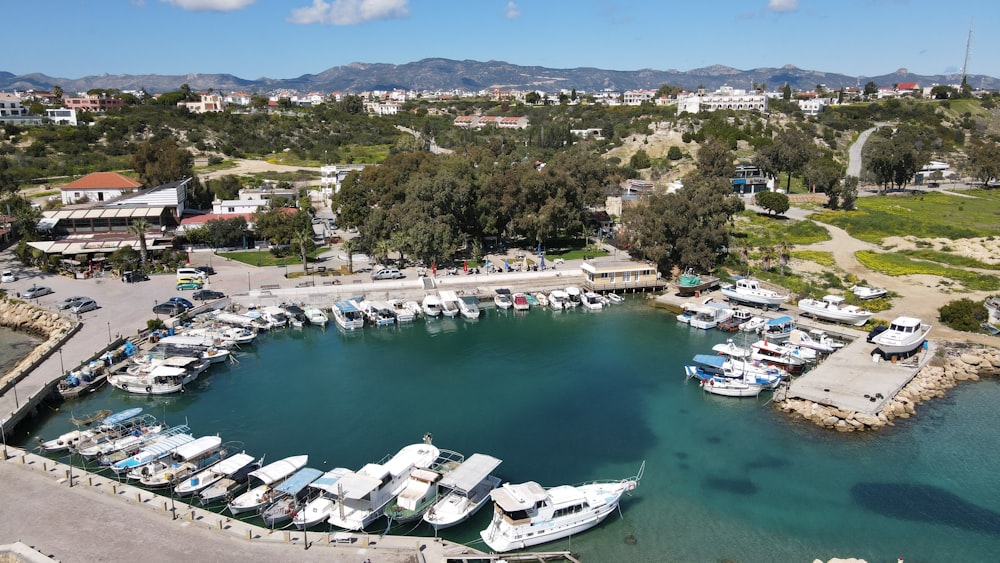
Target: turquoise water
565	397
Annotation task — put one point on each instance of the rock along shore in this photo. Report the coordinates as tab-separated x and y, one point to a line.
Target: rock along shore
51	327
955	363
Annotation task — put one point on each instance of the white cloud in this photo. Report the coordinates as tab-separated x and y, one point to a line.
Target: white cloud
350	12
210	5
512	11
782	5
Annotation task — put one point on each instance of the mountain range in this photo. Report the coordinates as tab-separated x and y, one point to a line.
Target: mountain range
448	75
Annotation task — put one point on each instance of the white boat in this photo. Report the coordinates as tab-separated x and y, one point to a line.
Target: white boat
519	301
431	306
789	359
543	300
863	292
575	296
164	380
753	325
181	463
730	386
502	299
151	452
378	313
758	373
229	485
462	492
363	495
347	316
709	315
558	299
747	290
777	329
527	514
275	316
615	298
904	335
402	313
296	315
731	350
262	480
226	467
109	453
104	430
287	497
815	339
129	432
414	308
417	496
316	316
449	303
468	306
322	500
226	335
833	308
591	300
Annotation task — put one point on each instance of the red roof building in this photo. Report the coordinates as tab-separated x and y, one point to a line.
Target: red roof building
99	186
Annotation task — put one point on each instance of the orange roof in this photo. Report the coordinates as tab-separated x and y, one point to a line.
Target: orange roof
103	180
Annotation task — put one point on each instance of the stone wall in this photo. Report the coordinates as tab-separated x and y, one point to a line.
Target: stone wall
956	363
54	328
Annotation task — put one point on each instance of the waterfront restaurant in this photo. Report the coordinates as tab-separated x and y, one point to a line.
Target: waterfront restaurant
619	275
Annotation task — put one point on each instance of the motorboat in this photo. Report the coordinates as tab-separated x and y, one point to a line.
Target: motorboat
730	349
316	316
224	468
615	298
231	483
262	480
431	306
753	325
414	308
575	296
102	431
119	436
751	372
502	299
449	303
527	514
904	335
321	499
402	313
363	495
591	301
288	496
468	306
347	316
296	315
777	329
151	452
789	359
690	283
463	491
276	317
378	313
225	335
730	386
532	302
110	453
168	380
541	298
737	318
815	339
558	299
747	290
864	292
833	308
709	315
181	463
520	301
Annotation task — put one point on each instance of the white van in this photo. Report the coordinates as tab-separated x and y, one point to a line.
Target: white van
191	273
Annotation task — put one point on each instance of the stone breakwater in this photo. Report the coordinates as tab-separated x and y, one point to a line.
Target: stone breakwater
955	363
54	328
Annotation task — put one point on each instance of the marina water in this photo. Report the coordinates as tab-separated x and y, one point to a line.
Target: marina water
567	397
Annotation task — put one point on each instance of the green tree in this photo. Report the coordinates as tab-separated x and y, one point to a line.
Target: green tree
222	233
303	241
822	174
715	160
984	160
786	92
842	195
790	150
349	246
784	256
870	88
773	202
138	228
674	153
162	161
640	160
352	104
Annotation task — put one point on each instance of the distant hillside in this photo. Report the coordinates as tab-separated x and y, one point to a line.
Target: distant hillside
447	74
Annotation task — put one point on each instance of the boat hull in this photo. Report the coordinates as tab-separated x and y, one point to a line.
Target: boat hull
504	538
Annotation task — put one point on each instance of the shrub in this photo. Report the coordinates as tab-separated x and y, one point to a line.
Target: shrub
964	314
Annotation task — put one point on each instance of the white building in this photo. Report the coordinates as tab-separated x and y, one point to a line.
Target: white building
208	103
637	97
237	206
726	97
332	176
61	116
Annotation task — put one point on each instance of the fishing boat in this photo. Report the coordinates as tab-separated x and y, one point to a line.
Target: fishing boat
502	299
160	380
402	313
151	452
227	467
431	306
753	325
316	316
728	370
462	492
347	316
833	308
296	315
468	306
262	480
864	292
414	308
114	437
709	315
229	485
789	359
575	296
815	339
180	463
109	453
520	301
747	290
690	283
541	298
287	496
378	313
730	386
417	496
904	335
363	495
737	318
777	329
321	500
449	303
102	431
527	514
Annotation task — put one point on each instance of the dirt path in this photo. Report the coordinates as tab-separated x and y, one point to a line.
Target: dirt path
245	166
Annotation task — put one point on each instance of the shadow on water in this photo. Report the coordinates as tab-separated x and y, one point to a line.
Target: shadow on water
766	462
734	486
925	503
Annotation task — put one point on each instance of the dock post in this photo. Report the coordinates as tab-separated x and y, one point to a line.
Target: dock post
288	537
219	523
249	535
45	467
114	489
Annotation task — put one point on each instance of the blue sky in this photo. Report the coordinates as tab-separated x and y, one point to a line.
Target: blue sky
287	38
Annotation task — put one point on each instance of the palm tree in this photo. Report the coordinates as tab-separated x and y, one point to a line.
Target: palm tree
784	255
138	228
349	247
382	249
302	239
766	257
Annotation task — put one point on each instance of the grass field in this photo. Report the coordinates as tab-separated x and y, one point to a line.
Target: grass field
264	258
753	230
894	264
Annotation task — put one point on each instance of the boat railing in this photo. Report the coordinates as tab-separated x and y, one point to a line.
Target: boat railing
636	478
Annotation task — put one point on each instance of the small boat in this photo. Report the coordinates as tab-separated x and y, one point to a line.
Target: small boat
904	335
118	436
129	441
730	386
989	329
74	438
789	359
296	315
737	318
575	296
161	380
468	306
749	371
151	452
449	303
414	308
615	298
864	292
347	316
180	464
402	313
709	315
753	325
527	514
378	313
230	483
287	496
502	299
690	283
532	301
777	329
462	492
815	339
224	468
730	350
226	336
747	290
418	495
520	302
558	299
431	306
321	500
833	308
263	480
316	316
276	317
541	299
591	301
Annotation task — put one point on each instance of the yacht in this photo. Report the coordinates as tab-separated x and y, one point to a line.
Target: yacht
833	308
402	313
502	299
527	514
747	290
904	335
591	300
575	296
558	299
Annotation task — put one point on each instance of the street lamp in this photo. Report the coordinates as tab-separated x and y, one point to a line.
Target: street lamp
248	281
62	369
109	332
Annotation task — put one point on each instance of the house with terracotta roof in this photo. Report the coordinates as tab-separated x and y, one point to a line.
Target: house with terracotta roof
99	186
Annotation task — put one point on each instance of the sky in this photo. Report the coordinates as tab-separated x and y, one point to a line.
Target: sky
283	39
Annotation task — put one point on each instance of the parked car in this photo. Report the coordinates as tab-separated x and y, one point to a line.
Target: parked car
83	305
168	308
387	274
7	277
69	302
188	283
207	270
133	277
36	291
191	273
207	295
184	302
